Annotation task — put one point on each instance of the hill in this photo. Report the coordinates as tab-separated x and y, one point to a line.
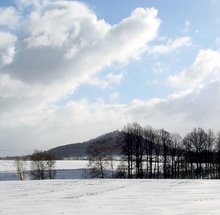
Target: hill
79	149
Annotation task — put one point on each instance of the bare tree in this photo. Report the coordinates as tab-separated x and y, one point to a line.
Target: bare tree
195	145
126	143
21	167
150	137
208	157
132	146
218	154
121	170
111	149
176	152
138	149
100	156
157	159
42	166
50	165
165	142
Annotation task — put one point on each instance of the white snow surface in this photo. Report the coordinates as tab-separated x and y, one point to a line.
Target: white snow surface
9	165
122	196
66	169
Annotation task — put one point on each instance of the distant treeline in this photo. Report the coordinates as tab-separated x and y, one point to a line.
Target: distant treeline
151	153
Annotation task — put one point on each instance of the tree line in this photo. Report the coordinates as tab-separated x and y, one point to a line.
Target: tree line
141	152
42	166
156	153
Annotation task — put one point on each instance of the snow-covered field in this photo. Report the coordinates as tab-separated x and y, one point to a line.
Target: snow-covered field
9	165
130	197
66	169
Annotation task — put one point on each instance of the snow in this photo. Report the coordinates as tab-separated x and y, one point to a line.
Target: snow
9	165
66	169
130	197
108	196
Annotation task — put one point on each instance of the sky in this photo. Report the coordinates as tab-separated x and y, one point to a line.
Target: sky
74	70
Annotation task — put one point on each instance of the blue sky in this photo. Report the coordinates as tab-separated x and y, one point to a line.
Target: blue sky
73	70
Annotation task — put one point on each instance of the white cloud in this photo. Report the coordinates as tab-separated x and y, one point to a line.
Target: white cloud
61	44
7	48
205	68
181	111
9	18
78	121
152	82
159	68
171	45
41	63
63	22
185	29
9	87
72	44
106	82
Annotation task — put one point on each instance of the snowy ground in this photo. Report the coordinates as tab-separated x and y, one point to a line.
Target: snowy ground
130	197
66	169
9	165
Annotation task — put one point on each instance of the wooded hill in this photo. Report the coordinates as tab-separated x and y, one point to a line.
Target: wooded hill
78	150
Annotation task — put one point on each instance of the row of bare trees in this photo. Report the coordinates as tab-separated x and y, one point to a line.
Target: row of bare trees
42	166
151	153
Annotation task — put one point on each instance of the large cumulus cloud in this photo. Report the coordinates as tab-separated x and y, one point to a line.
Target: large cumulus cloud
48	48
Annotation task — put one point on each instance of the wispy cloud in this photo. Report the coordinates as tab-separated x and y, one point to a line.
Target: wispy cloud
186	27
106	82
205	67
171	46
